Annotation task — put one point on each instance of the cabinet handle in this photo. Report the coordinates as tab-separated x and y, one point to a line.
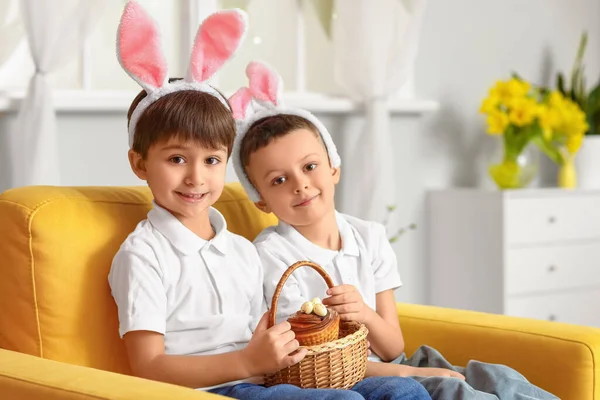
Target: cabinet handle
552	268
551	219
552	317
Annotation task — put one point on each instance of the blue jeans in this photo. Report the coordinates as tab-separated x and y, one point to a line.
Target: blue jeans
374	388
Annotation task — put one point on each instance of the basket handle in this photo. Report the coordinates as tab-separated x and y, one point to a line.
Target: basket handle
285	276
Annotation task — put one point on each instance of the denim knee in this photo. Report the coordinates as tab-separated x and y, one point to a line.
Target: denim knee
391	388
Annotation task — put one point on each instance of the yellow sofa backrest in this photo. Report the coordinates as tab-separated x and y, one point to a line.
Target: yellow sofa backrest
56	248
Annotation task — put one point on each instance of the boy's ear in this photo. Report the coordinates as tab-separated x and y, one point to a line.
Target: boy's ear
138	165
336	173
262	206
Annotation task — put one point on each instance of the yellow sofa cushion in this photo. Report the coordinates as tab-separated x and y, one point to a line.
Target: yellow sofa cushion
55	257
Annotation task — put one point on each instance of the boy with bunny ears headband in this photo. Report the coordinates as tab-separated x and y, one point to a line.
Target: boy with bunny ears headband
288	164
185	286
188	291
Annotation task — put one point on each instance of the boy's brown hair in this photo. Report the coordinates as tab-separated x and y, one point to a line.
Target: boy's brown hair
189	115
267	129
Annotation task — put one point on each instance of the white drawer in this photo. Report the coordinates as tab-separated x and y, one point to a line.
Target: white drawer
548	219
581	308
538	269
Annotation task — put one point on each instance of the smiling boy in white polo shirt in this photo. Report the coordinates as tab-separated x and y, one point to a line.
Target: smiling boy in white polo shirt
288	164
183	284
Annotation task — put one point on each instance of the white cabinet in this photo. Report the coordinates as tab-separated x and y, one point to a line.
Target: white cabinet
528	253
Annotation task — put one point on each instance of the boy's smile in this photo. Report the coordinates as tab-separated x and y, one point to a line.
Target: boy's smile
192	197
306	202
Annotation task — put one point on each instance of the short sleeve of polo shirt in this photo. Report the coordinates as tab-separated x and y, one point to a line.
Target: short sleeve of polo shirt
136	285
385	265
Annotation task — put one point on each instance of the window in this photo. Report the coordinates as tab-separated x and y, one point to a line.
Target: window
285	33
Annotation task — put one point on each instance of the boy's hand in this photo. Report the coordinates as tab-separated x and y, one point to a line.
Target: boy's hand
422	371
348	302
271	349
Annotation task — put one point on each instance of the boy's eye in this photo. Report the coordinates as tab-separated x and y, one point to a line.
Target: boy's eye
177	160
311	166
279	180
212	160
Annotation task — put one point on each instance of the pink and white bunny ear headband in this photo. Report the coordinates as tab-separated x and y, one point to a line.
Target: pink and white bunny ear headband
263	98
140	54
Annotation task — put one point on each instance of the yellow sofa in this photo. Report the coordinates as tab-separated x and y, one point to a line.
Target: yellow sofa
58	321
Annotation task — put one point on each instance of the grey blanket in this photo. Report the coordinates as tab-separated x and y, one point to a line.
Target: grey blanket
483	381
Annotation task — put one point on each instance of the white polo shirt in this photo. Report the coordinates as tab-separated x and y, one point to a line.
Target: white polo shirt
366	261
205	297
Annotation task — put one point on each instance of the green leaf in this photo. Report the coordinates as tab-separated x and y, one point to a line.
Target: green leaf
581	95
560	83
548	149
579	58
593	105
516	76
571	93
592	110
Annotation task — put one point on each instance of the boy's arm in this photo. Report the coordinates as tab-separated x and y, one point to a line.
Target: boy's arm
268	351
385	335
147	358
389	369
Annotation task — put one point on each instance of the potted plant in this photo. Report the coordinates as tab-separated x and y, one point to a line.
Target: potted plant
521	115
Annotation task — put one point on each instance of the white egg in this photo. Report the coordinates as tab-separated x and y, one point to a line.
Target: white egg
320	310
307	307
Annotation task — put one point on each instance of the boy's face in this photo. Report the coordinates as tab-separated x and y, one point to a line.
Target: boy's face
294	178
185	178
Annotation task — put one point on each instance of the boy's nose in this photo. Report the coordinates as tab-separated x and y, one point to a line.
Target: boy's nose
195	177
301	188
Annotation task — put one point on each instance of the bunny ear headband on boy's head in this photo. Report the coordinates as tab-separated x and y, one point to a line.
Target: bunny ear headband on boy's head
140	54
263	98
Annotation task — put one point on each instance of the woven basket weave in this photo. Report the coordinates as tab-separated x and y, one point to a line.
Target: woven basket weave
338	364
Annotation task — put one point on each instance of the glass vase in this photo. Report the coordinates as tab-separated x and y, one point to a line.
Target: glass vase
513	171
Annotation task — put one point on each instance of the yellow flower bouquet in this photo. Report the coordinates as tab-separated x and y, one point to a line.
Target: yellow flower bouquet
523	114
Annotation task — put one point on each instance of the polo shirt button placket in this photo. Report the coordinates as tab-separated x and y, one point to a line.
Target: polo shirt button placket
205	253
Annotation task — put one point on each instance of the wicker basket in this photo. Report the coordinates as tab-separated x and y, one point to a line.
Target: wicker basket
338	364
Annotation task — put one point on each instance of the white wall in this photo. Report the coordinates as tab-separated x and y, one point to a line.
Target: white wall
466	45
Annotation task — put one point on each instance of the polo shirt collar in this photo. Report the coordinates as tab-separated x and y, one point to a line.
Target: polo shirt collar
318	254
184	239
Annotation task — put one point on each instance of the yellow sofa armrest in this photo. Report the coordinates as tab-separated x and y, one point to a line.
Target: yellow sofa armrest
28	377
560	358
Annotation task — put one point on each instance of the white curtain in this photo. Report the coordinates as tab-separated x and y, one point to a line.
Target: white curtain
11	31
56	31
375	46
